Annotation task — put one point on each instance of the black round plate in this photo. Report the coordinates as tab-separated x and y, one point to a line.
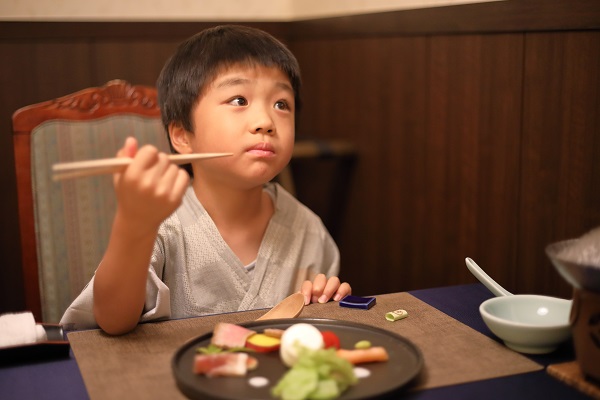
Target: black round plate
405	363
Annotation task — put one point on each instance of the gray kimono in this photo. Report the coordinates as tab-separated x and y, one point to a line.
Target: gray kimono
193	271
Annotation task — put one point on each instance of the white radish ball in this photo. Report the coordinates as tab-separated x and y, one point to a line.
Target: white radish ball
299	336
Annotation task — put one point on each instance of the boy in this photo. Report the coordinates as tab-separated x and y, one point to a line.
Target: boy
230	240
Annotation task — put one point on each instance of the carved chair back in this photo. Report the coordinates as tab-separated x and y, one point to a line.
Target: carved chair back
64	226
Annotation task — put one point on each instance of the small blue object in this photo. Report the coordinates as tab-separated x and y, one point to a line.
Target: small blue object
363	303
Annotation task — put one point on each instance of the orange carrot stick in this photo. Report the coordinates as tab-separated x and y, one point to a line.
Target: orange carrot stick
360	356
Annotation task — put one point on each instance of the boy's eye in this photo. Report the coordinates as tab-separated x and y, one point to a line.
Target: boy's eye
238	101
282	105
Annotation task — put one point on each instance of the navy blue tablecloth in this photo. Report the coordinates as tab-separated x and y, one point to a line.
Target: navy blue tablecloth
61	379
462	303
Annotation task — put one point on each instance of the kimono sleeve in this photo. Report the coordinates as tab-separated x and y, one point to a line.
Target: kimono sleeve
80	314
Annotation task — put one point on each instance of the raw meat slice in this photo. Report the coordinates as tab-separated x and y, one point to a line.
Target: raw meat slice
229	336
223	364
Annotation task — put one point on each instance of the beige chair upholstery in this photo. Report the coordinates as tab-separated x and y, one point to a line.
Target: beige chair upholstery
65	225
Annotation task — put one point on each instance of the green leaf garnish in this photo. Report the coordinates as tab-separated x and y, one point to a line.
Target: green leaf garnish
317	375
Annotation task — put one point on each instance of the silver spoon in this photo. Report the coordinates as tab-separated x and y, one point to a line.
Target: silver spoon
484	278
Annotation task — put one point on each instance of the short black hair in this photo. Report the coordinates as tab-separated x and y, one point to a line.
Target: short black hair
200	58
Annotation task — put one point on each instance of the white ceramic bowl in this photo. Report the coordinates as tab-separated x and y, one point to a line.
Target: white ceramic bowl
528	323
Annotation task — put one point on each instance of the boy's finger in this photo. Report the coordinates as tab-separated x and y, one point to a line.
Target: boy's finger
343	290
330	288
306	290
319	283
129	148
318	286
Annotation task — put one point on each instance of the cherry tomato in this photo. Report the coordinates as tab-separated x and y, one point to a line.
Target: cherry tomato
330	339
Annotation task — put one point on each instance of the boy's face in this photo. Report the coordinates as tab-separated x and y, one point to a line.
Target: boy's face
247	111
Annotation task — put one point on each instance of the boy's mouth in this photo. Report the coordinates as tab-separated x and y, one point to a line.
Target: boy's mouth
262	149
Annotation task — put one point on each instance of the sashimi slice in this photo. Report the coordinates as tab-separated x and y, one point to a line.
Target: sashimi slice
224	364
229	336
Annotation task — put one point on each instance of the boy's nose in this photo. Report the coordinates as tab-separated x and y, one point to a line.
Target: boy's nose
263	130
262	123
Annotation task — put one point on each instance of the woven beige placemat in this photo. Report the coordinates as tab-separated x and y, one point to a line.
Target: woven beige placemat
138	365
570	373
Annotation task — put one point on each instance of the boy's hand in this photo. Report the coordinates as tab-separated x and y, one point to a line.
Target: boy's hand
321	290
151	188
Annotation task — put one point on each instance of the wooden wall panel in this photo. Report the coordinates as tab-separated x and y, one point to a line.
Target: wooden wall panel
135	61
561	148
436	122
338	104
473	116
486	17
403	84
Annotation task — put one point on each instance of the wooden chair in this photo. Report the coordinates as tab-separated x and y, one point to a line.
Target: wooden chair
64	226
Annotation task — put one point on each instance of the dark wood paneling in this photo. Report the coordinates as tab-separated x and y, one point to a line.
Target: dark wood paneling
561	148
471	159
139	61
119	31
436	122
501	16
339	77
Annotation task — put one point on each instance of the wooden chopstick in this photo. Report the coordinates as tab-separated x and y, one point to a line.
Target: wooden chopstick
78	169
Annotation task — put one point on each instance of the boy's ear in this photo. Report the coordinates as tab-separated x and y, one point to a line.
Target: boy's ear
179	138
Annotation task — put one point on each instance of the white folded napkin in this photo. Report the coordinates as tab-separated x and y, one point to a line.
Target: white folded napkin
20	328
